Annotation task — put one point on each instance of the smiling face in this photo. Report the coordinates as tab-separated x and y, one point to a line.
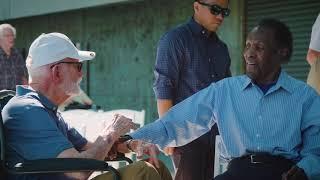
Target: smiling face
261	55
205	18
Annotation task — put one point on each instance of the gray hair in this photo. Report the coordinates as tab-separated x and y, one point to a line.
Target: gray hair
4	27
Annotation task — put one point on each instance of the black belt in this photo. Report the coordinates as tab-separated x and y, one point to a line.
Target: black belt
262	159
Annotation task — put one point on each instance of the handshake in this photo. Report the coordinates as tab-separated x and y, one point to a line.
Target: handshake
118	127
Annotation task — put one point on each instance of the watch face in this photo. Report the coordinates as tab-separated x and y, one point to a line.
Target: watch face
124	138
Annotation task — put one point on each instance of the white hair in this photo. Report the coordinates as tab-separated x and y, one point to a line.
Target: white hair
35	74
4	27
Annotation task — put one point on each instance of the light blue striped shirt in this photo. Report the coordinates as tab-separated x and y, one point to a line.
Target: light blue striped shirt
284	121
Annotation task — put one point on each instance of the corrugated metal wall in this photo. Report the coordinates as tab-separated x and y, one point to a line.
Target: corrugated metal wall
125	38
299	15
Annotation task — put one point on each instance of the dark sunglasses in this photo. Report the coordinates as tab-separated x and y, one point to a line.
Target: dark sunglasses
216	9
78	64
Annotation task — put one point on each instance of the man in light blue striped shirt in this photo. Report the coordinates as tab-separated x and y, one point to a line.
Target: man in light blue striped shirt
269	122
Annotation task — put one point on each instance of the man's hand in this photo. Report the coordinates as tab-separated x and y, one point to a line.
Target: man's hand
144	148
113	153
295	173
119	125
168	150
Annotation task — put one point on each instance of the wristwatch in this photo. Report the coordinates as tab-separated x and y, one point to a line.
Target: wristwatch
124	138
127	139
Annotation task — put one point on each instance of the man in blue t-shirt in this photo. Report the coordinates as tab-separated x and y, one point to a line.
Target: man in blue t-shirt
35	129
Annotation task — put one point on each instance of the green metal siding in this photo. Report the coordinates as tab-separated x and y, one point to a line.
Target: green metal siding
12	9
299	15
125	38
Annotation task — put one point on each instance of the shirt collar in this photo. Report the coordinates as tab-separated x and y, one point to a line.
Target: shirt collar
13	51
199	30
28	91
281	83
1	51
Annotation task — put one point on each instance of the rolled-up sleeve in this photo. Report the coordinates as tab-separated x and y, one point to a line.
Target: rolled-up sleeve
77	140
167	66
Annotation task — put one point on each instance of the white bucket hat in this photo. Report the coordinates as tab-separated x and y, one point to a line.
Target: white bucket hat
54	47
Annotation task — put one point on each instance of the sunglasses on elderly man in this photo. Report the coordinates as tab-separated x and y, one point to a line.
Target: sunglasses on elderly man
78	65
216	9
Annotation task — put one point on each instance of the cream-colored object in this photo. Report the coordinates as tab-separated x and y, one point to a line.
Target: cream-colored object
314	75
89	123
95	120
82	98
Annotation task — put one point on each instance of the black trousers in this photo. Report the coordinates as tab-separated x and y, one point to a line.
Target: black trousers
245	169
195	161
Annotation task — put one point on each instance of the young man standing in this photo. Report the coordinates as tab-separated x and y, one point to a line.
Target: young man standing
189	58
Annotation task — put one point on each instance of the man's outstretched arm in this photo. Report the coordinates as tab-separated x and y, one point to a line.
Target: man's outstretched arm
183	123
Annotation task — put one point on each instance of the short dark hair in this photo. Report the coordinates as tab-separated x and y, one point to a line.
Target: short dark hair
281	34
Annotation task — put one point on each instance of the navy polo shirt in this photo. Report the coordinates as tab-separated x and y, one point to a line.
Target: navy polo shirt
35	130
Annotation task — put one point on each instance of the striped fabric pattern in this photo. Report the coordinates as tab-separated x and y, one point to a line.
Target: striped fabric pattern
284	121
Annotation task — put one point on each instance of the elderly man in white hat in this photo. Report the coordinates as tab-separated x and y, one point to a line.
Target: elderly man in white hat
313	56
35	129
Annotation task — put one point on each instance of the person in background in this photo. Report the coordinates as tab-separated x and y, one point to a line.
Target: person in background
12	66
313	56
36	130
189	58
269	122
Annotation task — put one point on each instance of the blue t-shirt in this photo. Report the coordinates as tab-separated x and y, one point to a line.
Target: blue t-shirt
35	130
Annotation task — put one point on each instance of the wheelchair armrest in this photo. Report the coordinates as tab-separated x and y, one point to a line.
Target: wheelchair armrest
55	165
120	157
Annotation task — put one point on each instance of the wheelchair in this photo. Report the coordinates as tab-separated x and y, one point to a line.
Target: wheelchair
52	165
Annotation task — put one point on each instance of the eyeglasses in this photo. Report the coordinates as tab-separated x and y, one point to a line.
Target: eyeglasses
78	64
216	9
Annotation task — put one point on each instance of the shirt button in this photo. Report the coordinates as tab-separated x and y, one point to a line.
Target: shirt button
257	135
203	32
258	148
213	75
260	117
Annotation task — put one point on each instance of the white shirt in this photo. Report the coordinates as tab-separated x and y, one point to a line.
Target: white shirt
315	35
